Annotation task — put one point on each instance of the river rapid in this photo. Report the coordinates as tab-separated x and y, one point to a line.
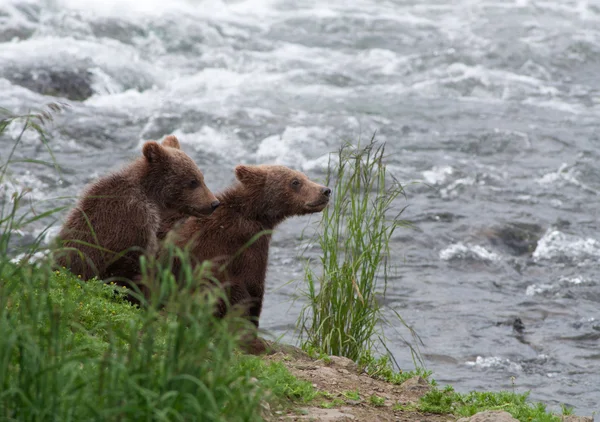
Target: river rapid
492	106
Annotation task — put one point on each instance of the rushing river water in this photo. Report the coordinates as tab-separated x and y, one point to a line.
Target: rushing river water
494	105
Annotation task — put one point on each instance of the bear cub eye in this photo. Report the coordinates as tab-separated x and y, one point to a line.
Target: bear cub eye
295	183
194	184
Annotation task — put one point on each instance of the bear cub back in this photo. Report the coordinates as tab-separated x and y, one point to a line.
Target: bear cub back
118	216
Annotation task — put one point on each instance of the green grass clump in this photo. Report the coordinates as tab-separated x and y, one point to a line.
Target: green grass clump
352	395
377	401
278	381
74	350
381	368
343	314
92	305
448	401
332	403
85	354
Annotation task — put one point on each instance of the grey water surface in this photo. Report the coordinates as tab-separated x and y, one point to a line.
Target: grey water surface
493	106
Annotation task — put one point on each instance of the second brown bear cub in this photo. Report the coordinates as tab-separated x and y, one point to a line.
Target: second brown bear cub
264	197
118	216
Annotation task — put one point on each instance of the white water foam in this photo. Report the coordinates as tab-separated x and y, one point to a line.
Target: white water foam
556	245
255	12
227	146
495	362
453	189
438	174
566	174
35	257
49	235
14	131
573	280
296	147
27	184
459	251
537	289
479	81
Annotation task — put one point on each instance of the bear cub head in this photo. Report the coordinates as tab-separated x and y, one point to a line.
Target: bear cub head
282	192
175	181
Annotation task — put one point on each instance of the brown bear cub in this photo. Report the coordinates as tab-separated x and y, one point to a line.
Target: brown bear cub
264	197
118	216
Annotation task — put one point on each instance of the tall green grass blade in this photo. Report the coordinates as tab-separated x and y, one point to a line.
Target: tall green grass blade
343	315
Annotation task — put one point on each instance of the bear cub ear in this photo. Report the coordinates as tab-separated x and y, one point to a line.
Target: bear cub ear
250	174
172	142
154	152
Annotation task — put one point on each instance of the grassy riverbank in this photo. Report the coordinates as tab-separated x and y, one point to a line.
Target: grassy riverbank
76	350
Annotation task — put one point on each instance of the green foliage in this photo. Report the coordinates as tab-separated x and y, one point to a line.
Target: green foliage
331	404
376	400
352	395
408	407
343	316
76	351
381	368
317	354
109	360
448	401
566	410
278	380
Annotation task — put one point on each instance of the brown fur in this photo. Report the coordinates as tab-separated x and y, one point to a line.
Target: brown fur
264	197
124	209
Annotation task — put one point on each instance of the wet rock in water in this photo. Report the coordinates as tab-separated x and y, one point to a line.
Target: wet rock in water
516	238
490	416
561	224
518	325
74	84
